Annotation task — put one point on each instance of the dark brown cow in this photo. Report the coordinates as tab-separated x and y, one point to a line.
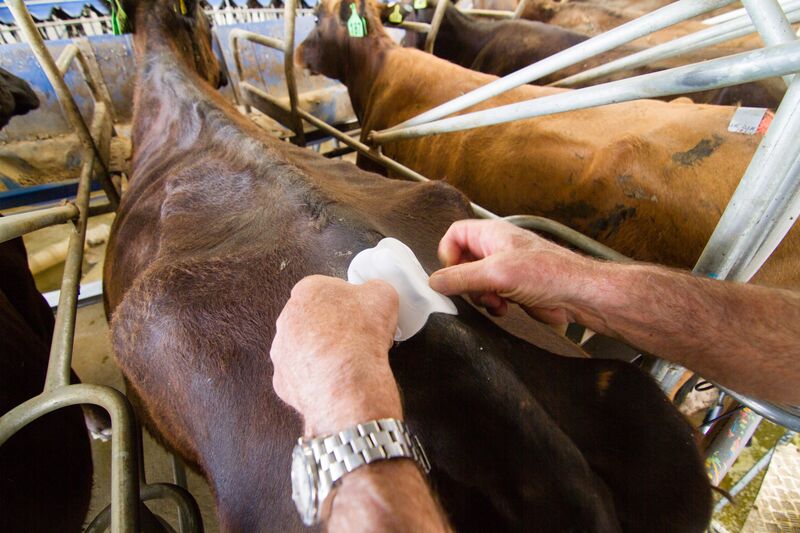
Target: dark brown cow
648	178
46	468
593	18
221	220
501	47
16	97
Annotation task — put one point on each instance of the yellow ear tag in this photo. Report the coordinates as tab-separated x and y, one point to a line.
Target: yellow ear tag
184	11
420	4
356	25
395	17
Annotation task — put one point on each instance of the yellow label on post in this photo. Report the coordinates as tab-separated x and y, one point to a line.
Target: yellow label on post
420	4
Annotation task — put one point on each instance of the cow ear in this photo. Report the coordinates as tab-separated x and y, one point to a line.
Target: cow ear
344	10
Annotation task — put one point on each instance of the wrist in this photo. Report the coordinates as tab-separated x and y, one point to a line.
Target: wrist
602	289
351	406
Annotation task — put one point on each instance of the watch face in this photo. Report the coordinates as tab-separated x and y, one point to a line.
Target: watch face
303	488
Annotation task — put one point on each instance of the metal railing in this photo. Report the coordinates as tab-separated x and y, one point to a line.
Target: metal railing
128	485
764	206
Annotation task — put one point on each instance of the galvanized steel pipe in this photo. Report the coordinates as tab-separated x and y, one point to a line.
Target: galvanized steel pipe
712	74
771	23
659	19
13	226
436	23
695	41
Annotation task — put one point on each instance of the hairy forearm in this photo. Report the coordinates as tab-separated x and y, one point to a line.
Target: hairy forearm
385	496
741	336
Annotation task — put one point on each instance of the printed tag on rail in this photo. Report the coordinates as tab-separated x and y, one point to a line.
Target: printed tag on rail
750	120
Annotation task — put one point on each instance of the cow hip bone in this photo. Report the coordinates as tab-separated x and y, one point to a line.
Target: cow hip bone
395	263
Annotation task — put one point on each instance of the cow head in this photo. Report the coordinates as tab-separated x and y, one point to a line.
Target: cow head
327	48
181	23
16	97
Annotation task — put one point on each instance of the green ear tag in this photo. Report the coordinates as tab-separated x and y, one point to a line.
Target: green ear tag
119	19
420	4
356	26
395	17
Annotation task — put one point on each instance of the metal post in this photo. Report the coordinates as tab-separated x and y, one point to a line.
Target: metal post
124	476
754	470
436	23
770	20
288	69
58	368
757	207
68	105
520	8
20	224
712	74
730	15
683	45
657	20
732	439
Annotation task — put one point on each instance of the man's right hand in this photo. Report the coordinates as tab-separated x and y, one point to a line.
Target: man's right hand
496	262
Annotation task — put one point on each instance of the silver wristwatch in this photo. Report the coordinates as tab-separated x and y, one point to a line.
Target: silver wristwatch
317	464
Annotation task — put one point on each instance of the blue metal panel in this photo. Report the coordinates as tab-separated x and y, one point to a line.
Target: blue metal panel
49	192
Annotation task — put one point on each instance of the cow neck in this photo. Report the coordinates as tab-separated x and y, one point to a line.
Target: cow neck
167	82
365	61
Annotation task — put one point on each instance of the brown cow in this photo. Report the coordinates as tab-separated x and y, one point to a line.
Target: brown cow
46	468
647	178
501	47
593	18
16	97
221	220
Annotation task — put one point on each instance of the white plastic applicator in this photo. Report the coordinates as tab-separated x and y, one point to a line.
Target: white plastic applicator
395	263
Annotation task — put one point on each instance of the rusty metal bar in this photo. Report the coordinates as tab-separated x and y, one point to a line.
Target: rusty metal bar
124	476
17	225
68	105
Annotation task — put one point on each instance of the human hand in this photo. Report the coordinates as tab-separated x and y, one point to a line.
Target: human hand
496	262
331	353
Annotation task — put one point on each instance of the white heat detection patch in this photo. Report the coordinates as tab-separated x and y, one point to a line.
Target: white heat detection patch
395	263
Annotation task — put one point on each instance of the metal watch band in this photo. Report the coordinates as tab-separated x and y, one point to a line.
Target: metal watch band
361	444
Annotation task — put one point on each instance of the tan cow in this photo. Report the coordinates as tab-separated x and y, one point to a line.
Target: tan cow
647	178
